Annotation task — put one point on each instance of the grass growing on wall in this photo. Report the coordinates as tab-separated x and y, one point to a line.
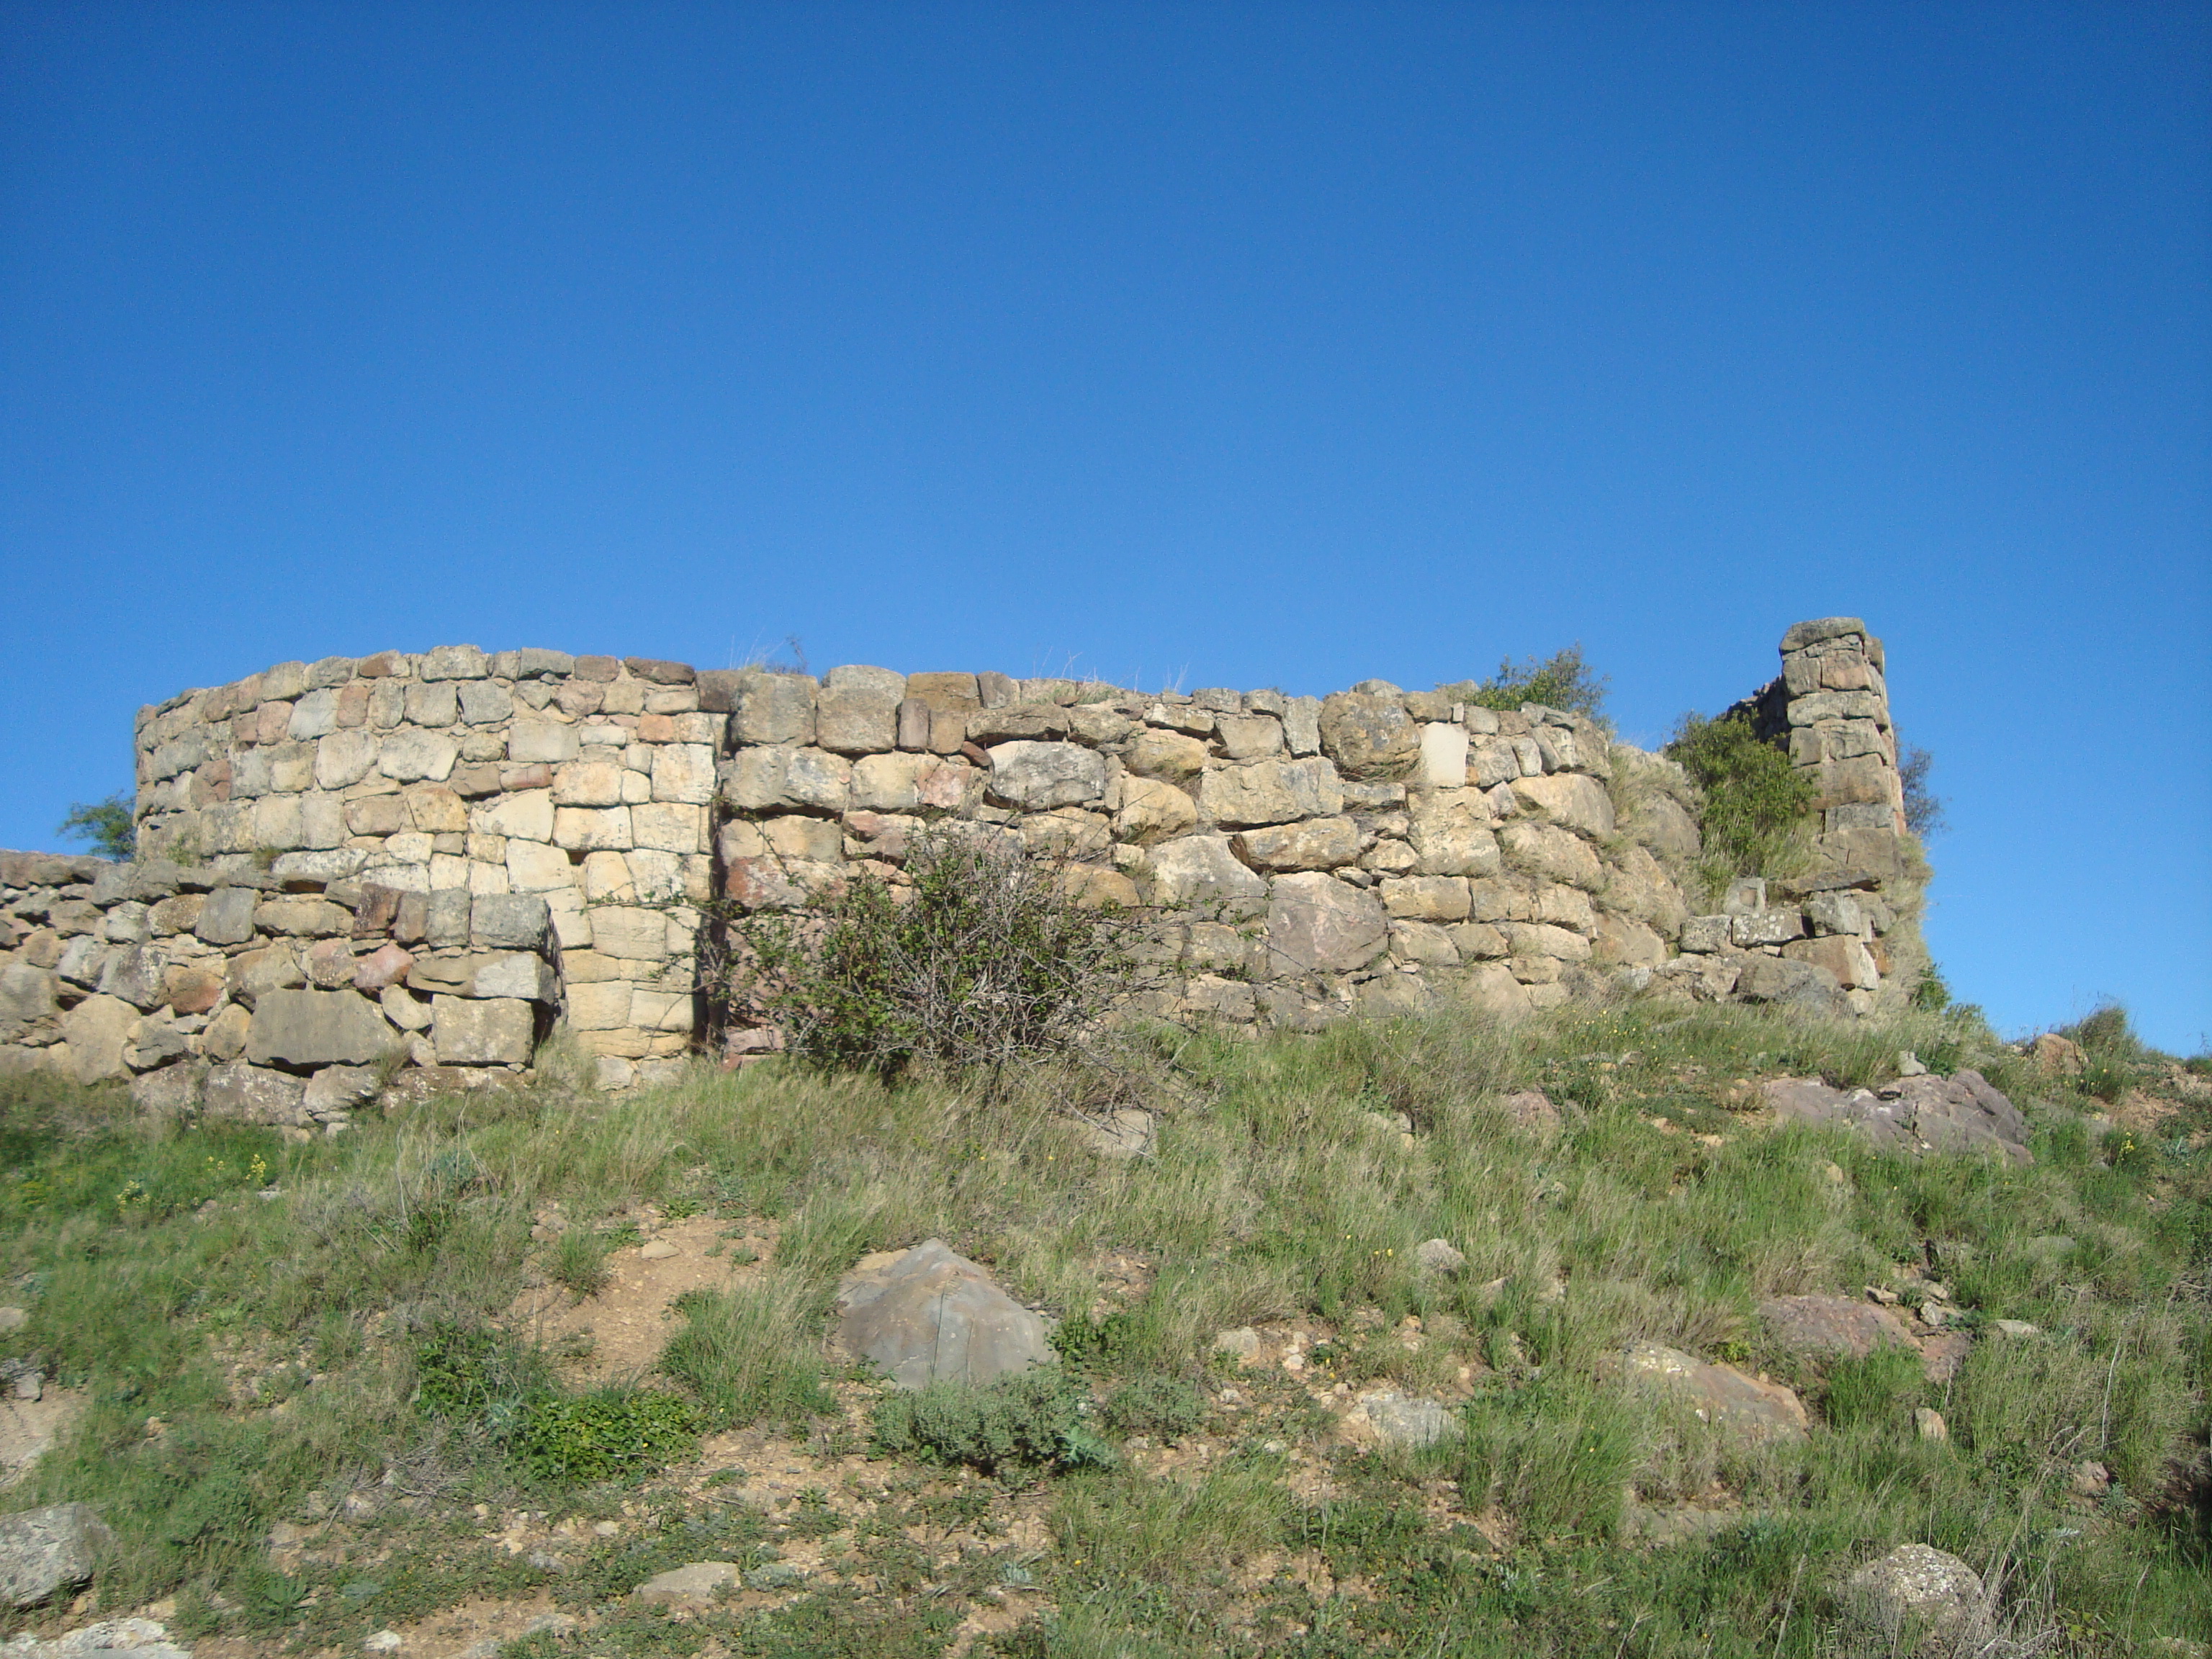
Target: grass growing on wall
1756	805
252	1360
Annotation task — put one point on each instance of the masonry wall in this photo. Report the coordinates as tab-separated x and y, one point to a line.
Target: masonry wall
402	871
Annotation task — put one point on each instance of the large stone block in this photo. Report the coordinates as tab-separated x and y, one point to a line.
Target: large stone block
1171	756
303	1028
1819	630
1037	776
1153	810
533	743
534	867
1369	735
43	1552
408	755
860	718
637	934
775	709
588	783
1450	833
1842	955
254	1094
1258	793
589	829
95	1031
946	694
344	758
1201	870
1568	798
1425	898
1316	844
1443	755
683	772
469	1032
27	993
1546	849
1317	924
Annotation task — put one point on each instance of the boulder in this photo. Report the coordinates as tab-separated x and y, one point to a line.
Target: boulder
1316	844
1368	735
1749	1408
1920	1599
1200	869
1041	776
1833	1325
1568	798
1791	984
1913	1114
1438	1256
699	1584
254	1094
929	1315
43	1551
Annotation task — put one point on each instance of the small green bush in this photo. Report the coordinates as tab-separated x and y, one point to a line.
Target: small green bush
478	1376
1557	1456
579	1263
574	1440
1563	681
1019	1424
1754	798
1164	1406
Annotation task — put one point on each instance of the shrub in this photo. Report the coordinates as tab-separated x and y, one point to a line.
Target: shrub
478	1376
579	1263
1879	1388
982	960
1561	681
110	825
1018	1425
1164	1406
1556	1455
1754	799
577	1439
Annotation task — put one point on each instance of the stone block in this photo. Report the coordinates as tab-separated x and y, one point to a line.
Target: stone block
587	829
304	1028
1619	941
1301	725
1317	924
435	809
656	671
302	917
1478	940
1171	756
775	709
1546	849
1369	735
534	867
1450	834
344	757
452	662
1153	810
469	1032
1038	776
95	1031
337	1090
946	694
1258	793
1443	755
1766	927
1820	631
1423	943
1842	956
599	1006
509	921
588	783
532	743
254	1094
27	993
1706	934
484	702
1836	913
520	975
44	1552
1425	898
860	718
685	773
1314	844
408	755
1249	737
1568	798
1202	872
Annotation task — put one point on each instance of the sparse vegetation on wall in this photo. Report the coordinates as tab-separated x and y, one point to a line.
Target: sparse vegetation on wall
1755	802
1564	681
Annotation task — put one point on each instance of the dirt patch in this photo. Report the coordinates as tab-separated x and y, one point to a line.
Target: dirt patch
30	1428
616	1336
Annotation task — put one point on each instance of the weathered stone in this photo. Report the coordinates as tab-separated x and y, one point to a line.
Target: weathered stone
1766	927
1426	898
1392	1418
657	672
173	1092
95	1031
1260	793
1314	844
1202	872
1961	1112
946	694
927	1315
45	1551
227	917
387	965
1368	736
509	921
1438	1256
1819	630
452	662
1706	934
301	918
1546	849
1842	956
304	1028
683	772
1168	756
408	755
1122	1135
1721	1394
335	1090
254	1094
700	1584
1443	755
1040	776
1797	984
1623	942
1833	1325
1153	810
471	1032
27	993
484	702
860	718
1568	798
1920	1599
1249	737
1317	924
1450	834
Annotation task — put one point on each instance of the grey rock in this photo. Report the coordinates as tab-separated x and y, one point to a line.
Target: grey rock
1702	935
1201	870
1122	1134
452	662
1961	1112
1920	1599
335	1090
134	973
43	1551
1721	1394
1754	928
254	1094
1038	776
775	709
927	1316
1438	1256
1820	630
27	993
1746	896
1792	984
509	921
1368	735
1301	725
1833	1325
699	1584
303	1028
1401	1420
470	1031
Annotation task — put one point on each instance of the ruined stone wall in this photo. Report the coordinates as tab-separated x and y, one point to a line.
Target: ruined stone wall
408	869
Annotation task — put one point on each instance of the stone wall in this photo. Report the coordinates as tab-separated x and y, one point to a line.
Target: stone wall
359	871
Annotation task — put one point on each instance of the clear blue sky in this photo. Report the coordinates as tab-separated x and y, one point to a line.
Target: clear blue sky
1270	343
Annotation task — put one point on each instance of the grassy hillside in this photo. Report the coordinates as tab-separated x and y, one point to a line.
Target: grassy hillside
314	1344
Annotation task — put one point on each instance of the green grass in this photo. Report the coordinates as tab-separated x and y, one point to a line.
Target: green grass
257	1360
